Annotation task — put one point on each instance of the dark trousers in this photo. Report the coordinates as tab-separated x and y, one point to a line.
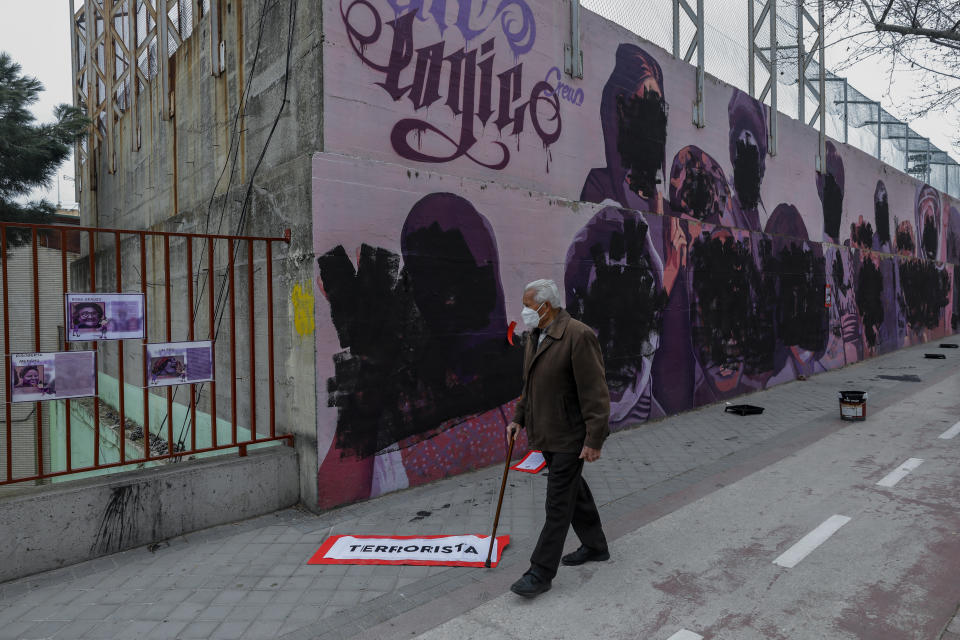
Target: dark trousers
569	502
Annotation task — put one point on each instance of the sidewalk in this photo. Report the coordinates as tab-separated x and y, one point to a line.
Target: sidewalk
250	579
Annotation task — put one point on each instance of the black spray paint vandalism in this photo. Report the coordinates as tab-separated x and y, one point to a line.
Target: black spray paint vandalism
881	213
955	319
904	239
729	325
698	187
801	319
839	274
830	188
119	527
424	343
747	173
870	299
925	290
748	146
642	138
612	285
862	234
953	236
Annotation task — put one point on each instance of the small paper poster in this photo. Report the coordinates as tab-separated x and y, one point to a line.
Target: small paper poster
533	462
104	316
53	376
170	363
454	551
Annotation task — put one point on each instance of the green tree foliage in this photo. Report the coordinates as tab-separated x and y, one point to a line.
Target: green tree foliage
30	152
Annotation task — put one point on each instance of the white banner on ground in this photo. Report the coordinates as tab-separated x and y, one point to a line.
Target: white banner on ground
457	551
533	462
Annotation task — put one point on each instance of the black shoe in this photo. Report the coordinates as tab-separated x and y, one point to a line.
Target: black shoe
530	586
584	554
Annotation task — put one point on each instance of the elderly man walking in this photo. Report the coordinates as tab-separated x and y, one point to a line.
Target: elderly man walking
565	408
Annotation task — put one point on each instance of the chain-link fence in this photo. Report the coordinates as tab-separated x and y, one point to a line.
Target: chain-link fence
850	115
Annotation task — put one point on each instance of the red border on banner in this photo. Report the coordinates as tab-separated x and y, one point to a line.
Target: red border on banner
537	470
318	557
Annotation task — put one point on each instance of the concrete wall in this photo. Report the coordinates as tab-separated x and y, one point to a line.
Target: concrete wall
193	173
460	163
54	526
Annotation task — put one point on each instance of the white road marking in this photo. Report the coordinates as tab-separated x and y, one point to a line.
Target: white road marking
683	634
792	556
951	432
900	472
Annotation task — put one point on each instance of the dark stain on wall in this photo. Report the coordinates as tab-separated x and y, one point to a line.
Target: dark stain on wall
118	525
881	213
904	239
925	289
642	138
617	293
801	319
425	342
728	326
870	300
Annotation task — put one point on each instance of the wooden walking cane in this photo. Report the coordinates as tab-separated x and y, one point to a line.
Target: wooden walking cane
503	485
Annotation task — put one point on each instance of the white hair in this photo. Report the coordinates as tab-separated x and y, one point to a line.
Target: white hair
545	291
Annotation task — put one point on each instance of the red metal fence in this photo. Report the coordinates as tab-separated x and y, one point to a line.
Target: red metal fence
205	271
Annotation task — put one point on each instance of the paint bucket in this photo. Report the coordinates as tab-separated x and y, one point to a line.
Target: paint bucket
853	405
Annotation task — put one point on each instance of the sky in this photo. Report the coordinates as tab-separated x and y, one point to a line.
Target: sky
36	33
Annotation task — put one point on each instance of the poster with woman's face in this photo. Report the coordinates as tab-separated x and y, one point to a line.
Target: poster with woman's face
53	376
170	363
105	316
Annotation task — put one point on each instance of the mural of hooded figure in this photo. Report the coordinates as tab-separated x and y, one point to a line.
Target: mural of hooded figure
419	390
613	284
633	118
953	256
797	269
830	190
846	335
927	223
748	155
698	188
731	331
881	218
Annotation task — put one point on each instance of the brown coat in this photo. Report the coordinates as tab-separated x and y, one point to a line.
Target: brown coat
565	403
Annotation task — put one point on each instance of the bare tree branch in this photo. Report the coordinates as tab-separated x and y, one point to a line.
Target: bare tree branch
917	31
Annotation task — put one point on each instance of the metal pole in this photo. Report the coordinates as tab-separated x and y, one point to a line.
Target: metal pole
823	89
163	56
879	131
751	51
699	117
772	147
846	111
573	54
134	71
801	67
676	28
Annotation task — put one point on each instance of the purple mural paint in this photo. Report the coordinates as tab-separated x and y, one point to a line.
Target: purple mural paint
613	284
432	209
748	155
633	118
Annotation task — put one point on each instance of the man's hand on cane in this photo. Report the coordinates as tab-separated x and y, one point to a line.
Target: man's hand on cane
513	430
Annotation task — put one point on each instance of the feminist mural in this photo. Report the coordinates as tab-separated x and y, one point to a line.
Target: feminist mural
702	262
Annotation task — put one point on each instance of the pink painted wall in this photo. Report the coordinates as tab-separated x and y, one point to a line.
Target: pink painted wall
431	212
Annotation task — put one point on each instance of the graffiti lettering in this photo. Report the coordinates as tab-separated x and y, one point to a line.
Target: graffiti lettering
516	19
468	91
565	91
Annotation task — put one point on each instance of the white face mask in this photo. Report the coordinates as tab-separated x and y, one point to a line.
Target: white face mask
531	317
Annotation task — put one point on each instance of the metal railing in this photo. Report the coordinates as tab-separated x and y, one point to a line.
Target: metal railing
191	284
